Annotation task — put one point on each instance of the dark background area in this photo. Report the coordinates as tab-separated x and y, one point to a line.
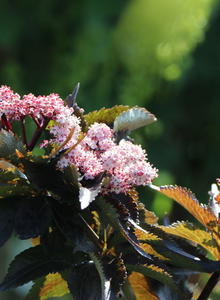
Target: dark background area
163	55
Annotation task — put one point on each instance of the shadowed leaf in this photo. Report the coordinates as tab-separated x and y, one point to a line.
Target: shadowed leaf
34	291
62	185
112	214
84	282
32	264
8	144
33	217
7	217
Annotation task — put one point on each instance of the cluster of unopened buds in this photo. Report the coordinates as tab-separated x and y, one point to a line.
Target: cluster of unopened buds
93	152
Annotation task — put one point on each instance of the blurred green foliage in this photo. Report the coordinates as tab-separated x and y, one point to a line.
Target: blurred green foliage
163	55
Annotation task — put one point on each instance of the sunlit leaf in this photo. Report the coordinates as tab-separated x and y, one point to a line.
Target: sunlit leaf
217	198
53	286
132	119
141	287
179	253
154	272
188	200
35	241
193	233
214	201
146	216
87	195
143	235
105	115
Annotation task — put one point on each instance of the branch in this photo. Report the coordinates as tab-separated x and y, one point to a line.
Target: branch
213	280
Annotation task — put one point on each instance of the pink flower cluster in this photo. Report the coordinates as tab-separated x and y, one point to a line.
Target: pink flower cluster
40	108
10	103
126	164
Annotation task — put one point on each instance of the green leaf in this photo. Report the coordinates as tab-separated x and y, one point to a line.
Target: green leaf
105	115
132	119
53	286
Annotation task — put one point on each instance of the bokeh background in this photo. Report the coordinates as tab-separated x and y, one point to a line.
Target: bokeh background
163	55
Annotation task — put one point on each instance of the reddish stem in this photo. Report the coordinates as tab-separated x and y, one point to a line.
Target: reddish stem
37	135
6	124
36	121
24	135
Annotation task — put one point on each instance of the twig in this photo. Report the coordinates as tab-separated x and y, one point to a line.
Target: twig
213	280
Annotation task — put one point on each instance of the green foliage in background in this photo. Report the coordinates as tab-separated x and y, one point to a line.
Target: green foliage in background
160	54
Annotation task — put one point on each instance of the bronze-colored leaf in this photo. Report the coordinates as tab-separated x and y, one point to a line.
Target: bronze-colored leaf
143	237
35	241
192	233
146	216
141	287
188	200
